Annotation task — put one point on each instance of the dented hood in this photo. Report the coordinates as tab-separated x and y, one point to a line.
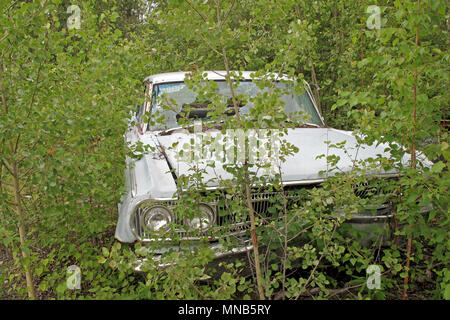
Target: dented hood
308	164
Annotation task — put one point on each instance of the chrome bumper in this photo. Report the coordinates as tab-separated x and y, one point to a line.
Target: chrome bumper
220	253
362	222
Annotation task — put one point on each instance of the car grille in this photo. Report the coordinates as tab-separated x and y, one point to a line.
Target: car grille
365	190
237	224
226	222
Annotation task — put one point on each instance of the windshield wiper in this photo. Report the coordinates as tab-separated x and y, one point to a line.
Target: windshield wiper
311	124
303	125
189	127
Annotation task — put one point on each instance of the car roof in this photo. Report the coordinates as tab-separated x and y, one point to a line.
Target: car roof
210	75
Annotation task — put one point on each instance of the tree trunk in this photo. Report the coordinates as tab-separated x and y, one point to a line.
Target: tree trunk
413	165
22	233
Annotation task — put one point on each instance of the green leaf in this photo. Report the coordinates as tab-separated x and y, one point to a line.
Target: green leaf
105	252
438	167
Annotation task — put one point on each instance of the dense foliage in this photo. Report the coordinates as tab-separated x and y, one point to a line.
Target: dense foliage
66	94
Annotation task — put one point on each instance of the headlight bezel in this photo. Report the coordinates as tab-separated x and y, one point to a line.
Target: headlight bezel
163	210
188	222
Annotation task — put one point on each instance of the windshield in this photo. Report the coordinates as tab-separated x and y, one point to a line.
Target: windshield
179	94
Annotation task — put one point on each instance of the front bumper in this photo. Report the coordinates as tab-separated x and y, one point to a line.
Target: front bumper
361	222
220	253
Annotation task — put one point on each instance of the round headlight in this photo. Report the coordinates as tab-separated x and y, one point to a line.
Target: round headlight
203	219
157	218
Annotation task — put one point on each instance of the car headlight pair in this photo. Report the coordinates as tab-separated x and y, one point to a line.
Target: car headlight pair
158	218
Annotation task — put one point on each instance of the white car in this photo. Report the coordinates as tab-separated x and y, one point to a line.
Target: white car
151	181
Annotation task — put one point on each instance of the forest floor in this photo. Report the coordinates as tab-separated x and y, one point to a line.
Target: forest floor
11	277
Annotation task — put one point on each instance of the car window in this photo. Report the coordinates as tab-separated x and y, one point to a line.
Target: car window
169	98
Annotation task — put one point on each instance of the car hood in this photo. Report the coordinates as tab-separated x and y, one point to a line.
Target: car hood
308	164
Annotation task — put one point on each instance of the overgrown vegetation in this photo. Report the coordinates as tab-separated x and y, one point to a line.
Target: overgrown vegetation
66	95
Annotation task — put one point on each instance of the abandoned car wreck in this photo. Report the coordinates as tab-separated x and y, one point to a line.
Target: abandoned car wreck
147	207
